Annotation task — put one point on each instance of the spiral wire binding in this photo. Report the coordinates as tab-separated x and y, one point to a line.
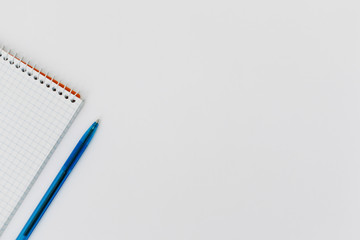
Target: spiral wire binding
54	85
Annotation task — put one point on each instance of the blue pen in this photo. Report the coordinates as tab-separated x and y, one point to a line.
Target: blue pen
57	183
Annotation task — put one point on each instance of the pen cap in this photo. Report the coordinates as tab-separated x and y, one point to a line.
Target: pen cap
80	147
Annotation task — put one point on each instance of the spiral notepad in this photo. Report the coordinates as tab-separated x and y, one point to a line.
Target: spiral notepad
35	112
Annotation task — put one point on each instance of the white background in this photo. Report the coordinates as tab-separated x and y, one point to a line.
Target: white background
219	119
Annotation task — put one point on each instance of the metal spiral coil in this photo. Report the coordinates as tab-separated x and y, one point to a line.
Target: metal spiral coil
38	75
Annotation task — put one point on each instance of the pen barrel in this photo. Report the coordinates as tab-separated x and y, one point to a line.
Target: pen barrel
43	205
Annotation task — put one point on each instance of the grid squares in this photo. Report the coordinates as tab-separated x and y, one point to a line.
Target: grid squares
33	119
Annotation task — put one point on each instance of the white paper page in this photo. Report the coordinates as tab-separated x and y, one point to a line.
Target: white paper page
33	118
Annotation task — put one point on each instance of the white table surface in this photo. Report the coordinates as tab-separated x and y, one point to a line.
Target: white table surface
219	119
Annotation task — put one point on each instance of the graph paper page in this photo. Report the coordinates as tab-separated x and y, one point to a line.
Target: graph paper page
33	118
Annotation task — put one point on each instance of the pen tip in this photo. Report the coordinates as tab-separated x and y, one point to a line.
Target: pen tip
97	121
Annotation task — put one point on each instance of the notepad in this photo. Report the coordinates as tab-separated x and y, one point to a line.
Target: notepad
35	113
